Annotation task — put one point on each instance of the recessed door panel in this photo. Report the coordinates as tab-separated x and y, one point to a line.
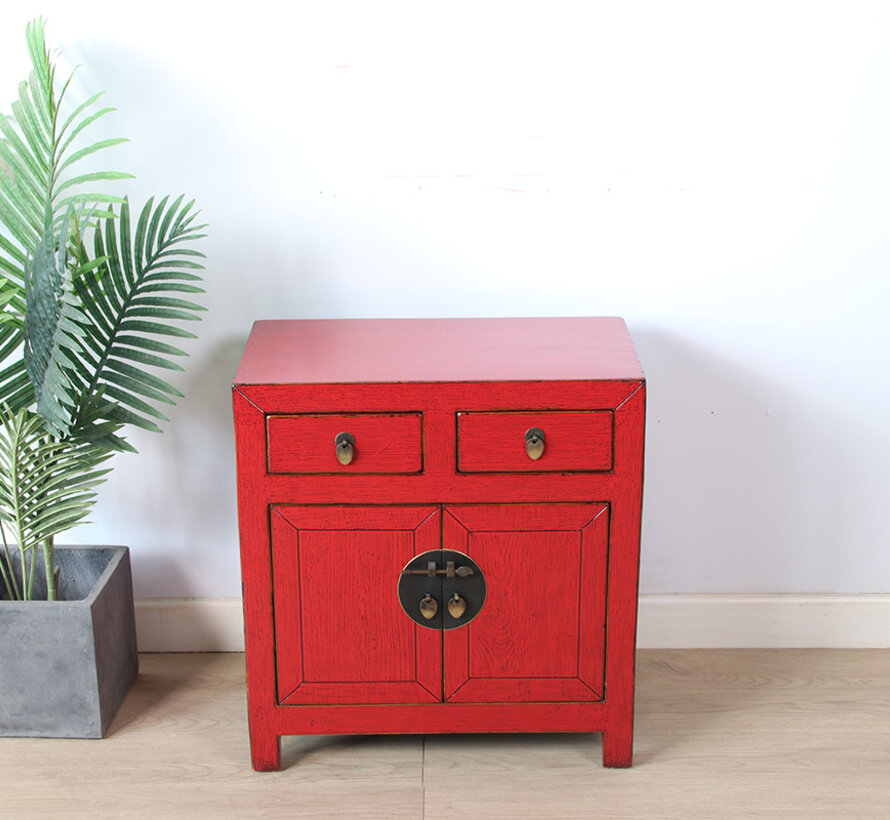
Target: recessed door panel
341	636
540	635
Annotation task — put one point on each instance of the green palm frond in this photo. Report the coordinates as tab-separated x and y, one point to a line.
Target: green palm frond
16	389
134	296
39	151
49	486
52	329
37	154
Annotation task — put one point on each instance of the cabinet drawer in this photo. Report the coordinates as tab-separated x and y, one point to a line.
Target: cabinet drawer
574	441
384	443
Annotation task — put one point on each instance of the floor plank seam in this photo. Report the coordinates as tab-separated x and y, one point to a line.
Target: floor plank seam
423	778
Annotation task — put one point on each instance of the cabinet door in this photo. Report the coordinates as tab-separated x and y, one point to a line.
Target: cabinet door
341	636
540	635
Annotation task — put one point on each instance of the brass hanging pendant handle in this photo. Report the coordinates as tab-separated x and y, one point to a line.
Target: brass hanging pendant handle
344	445
429	606
534	442
456	606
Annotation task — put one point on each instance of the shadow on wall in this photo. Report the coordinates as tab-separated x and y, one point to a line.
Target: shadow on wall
184	511
738	478
209	436
205	477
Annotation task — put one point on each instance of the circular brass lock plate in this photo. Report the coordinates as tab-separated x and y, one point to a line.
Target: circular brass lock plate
451	579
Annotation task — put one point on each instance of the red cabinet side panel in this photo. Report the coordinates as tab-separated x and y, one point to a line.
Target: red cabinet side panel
624	559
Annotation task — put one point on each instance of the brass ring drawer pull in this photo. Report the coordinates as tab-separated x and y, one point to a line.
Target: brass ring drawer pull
344	445
534	443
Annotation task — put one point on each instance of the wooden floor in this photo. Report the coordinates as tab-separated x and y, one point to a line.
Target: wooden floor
720	734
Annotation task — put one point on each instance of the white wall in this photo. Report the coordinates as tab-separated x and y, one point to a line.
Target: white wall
716	173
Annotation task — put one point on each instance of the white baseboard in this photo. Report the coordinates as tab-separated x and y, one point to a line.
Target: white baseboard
665	622
189	625
764	621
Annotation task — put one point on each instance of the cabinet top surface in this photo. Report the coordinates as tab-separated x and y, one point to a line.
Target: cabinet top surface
342	351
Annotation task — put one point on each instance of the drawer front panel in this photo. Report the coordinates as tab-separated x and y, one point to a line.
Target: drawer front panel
383	443
573	441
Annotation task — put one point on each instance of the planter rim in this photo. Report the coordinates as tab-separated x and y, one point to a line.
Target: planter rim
118	555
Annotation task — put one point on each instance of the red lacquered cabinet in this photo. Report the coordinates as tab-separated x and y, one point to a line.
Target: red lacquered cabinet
439	526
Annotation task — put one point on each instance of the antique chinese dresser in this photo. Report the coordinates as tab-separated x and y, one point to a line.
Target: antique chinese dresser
440	526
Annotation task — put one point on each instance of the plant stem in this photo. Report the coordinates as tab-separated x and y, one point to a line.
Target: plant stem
27	580
9	592
12	587
8	573
27	575
49	554
32	571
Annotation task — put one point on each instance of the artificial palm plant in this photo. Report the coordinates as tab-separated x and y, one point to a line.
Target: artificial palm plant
86	291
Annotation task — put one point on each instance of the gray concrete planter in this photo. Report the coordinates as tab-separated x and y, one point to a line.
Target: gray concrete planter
66	665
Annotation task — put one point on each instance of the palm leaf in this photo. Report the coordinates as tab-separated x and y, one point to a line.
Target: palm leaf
52	330
134	283
39	152
49	484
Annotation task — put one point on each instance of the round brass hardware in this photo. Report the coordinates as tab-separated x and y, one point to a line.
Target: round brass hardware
534	443
449	586
344	445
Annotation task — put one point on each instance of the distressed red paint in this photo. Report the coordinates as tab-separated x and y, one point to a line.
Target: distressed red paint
437	408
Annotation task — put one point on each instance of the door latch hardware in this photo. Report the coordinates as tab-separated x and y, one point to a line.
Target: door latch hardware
441	589
450	570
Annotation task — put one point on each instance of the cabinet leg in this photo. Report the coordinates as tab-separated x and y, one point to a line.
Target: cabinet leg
618	748
265	752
